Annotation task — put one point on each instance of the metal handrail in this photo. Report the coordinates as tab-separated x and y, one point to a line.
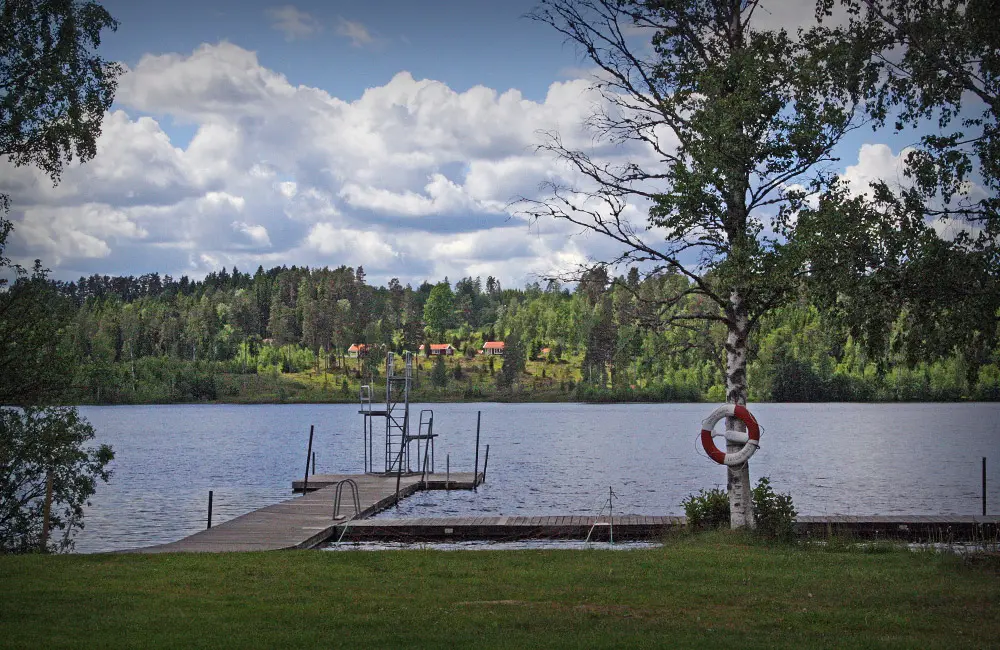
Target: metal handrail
354	494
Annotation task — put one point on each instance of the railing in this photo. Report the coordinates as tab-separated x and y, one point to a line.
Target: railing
339	494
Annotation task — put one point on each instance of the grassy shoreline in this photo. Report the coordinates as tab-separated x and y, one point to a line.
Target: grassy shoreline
714	590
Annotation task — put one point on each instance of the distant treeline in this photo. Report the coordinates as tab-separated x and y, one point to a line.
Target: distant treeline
155	338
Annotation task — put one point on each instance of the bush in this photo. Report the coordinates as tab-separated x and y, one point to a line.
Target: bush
774	513
707	509
36	443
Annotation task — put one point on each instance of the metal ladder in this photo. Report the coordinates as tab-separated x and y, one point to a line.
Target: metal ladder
397	413
354	494
425	435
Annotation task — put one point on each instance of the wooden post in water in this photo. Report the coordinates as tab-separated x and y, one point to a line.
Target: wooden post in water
447	469
314	463
46	509
984	486
475	471
309	451
209	509
486	462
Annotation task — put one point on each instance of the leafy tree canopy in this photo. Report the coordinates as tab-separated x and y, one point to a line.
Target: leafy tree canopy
54	87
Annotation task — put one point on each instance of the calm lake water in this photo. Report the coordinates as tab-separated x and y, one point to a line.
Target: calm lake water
544	459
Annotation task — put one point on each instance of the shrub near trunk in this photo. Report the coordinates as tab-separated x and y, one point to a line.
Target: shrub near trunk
774	513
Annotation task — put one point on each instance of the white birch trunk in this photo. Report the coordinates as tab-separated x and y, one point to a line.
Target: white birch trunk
738	484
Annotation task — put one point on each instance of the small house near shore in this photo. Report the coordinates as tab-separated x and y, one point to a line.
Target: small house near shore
357	350
493	347
440	349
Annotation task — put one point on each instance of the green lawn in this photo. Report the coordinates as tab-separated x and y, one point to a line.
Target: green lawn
708	591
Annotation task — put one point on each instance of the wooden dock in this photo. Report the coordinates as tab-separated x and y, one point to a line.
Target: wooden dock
627	527
639	527
307	521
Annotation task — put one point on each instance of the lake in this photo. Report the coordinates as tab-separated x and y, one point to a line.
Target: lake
854	459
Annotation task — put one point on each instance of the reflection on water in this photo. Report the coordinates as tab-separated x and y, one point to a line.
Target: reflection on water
545	459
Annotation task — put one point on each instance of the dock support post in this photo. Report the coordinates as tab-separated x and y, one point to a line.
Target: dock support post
447	469
486	462
475	470
984	486
309	451
314	463
209	509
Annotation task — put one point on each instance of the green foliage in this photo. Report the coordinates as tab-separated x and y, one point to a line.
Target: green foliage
439	374
129	347
33	443
707	509
938	75
439	308
287	358
54	88
54	93
513	362
35	357
774	513
587	392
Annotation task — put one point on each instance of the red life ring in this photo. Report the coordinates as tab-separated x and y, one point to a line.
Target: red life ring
751	438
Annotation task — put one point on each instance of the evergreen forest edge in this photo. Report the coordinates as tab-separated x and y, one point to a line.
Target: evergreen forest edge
282	335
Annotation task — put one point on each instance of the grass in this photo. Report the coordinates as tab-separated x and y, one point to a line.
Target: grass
713	590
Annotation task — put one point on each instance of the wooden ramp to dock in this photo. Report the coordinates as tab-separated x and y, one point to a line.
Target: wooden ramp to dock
306	521
943	528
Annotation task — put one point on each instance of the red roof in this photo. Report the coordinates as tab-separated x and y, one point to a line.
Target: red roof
493	345
438	346
357	347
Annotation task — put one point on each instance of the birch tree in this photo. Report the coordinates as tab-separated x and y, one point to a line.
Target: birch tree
727	132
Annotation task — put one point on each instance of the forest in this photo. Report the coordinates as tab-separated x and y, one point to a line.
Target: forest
283	334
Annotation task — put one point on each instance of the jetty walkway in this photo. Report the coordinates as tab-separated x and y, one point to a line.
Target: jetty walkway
307	521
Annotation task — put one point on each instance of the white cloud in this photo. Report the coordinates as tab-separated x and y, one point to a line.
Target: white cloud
58	233
349	246
441	196
412	178
358	33
876	162
256	234
294	24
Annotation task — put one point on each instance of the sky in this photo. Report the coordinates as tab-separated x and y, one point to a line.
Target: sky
389	134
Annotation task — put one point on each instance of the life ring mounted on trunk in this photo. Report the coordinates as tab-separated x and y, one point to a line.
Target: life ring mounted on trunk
750	439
